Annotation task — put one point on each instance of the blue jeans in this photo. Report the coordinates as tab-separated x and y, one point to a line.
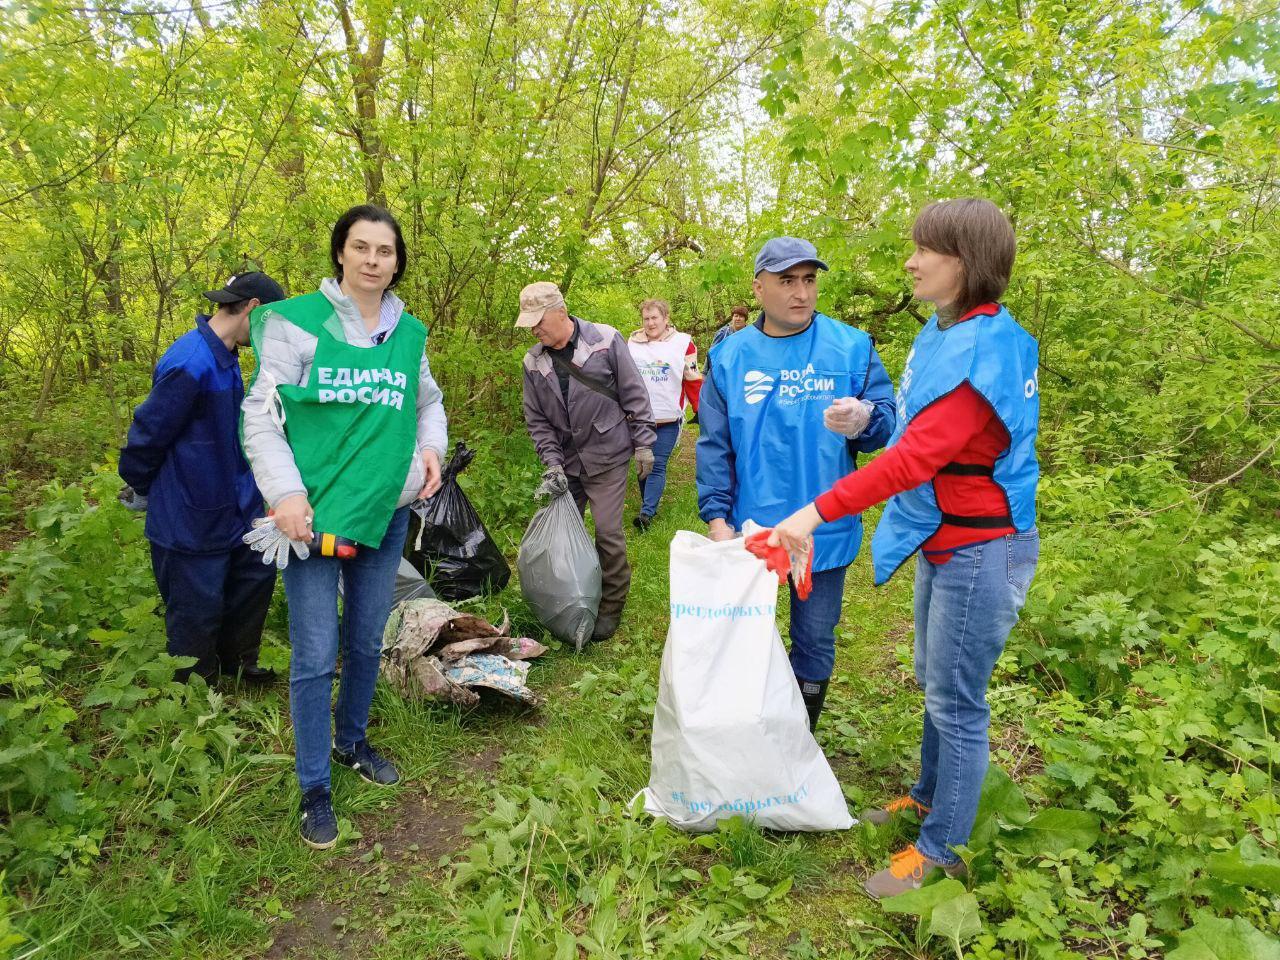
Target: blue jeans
813	626
311	586
651	487
965	609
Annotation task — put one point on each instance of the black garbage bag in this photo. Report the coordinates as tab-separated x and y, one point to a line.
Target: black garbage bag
449	545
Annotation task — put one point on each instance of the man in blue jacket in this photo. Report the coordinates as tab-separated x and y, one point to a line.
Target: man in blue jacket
183	461
787	405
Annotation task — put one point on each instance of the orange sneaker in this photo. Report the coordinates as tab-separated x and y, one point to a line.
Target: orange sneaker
906	871
882	815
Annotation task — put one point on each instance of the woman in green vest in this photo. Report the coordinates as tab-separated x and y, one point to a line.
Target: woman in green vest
344	426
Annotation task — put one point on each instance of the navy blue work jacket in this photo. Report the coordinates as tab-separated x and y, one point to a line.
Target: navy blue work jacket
183	450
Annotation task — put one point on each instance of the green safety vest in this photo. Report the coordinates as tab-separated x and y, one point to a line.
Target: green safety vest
353	425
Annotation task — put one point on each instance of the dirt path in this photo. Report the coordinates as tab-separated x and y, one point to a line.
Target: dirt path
405	842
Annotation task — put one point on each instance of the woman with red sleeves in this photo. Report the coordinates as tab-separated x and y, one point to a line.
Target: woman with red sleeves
960	477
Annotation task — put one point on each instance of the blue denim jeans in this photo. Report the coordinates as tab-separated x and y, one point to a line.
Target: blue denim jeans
813	626
651	487
965	609
315	634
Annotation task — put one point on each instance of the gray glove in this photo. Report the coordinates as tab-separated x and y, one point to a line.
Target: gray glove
644	461
132	500
554	483
269	540
848	416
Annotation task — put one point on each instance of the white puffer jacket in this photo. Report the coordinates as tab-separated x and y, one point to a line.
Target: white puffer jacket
287	354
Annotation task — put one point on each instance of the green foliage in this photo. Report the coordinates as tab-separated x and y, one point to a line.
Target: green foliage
152	153
483	388
1217	939
96	735
591	874
1247	866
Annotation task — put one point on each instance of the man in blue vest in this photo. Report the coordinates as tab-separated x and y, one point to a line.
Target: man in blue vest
183	463
787	405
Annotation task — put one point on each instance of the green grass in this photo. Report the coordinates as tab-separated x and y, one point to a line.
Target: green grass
557	861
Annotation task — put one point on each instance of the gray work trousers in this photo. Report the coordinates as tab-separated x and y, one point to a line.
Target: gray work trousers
605	492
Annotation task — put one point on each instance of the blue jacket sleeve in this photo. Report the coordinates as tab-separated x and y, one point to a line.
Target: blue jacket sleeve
877	390
156	424
716	477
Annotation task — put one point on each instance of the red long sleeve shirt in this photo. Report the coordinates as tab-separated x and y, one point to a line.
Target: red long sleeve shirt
962	429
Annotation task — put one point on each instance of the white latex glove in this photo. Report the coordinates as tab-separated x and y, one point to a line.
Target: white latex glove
269	540
848	416
719	529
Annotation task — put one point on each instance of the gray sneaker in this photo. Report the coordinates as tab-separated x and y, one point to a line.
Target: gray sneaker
879	816
907	870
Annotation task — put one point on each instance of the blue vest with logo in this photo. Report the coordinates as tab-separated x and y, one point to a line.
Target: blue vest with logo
1000	360
776	389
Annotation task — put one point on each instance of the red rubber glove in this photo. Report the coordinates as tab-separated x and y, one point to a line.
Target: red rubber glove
778	561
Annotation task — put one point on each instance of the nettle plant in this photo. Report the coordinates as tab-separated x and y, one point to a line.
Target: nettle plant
1159	708
556	868
94	734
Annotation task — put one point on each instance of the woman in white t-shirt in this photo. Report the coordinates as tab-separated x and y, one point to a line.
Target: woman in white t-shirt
668	362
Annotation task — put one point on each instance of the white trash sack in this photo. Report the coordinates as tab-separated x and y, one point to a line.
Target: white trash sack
730	732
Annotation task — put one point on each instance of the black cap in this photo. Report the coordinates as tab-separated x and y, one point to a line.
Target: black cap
247	286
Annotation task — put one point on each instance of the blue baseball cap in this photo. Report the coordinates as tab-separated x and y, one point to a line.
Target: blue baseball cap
783	253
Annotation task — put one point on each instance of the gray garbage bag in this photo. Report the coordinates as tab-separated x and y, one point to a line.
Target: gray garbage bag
410	584
560	572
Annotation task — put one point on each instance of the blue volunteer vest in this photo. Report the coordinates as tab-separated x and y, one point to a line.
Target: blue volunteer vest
775	391
1000	360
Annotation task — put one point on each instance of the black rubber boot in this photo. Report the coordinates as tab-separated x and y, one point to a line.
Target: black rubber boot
814	693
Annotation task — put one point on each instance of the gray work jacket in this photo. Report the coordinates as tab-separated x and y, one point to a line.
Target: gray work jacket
592	434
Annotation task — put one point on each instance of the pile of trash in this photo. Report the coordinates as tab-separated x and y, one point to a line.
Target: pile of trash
432	651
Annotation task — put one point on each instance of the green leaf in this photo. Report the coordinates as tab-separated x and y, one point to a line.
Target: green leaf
1247	866
720	875
1219	939
956	920
781	888
1055	831
1001	800
922	902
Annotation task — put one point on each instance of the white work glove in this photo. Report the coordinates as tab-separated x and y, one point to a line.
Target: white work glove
848	416
644	461
269	540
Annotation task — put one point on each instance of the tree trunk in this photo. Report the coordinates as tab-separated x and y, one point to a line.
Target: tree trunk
366	72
